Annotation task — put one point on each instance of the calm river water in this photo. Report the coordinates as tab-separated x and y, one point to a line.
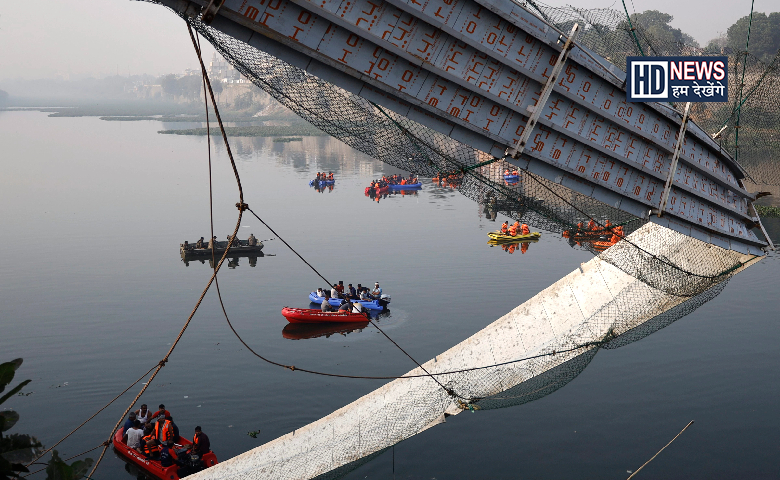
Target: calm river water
93	291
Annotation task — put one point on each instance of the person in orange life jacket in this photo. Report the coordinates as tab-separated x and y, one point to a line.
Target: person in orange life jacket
513	230
524	229
163	430
506	172
200	443
504	227
330	177
607	224
514	172
591	224
160	410
149	443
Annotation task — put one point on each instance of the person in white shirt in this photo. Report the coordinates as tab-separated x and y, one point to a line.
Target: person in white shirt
377	291
357	307
320	293
133	436
334	292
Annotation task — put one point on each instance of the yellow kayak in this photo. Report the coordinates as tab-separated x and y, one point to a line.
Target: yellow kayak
501	237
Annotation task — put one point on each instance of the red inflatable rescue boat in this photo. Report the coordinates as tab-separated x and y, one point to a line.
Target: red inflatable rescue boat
153	467
310	315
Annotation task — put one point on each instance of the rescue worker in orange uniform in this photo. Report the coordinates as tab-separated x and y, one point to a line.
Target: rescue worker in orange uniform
513	229
504	227
163	430
330	177
524	229
506	172
514	172
591	224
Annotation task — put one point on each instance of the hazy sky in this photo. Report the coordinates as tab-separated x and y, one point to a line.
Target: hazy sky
46	38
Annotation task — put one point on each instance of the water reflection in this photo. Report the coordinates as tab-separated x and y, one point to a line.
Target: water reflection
302	331
511	248
233	259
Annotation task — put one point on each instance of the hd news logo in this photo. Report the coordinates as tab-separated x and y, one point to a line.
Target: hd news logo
677	79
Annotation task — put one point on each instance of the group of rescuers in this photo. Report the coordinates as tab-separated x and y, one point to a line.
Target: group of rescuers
323	177
347	295
393	180
513	173
251	241
514	229
154	435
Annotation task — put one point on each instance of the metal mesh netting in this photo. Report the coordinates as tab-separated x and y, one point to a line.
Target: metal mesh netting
676	274
747	124
408	145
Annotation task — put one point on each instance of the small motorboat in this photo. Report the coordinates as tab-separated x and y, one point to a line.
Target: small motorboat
302	331
408	186
153	467
511	178
369	304
310	315
321	182
502	237
243	248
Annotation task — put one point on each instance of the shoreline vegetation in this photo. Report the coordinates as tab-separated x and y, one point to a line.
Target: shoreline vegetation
297	129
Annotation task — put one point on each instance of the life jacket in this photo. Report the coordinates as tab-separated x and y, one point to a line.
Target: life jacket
513	230
514	172
330	177
504	227
506	172
145	445
165	433
196	443
525	229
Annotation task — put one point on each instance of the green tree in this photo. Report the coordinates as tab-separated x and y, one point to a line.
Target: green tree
764	35
663	38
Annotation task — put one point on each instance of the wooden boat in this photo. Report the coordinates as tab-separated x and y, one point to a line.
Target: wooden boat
310	315
336	302
301	331
153	467
498	236
408	186
243	247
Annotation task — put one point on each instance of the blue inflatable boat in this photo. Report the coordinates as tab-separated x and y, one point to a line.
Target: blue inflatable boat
371	305
511	178
322	182
410	186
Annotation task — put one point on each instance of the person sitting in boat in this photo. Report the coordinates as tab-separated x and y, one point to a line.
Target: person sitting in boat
252	240
133	436
128	423
161	410
513	230
364	294
166	457
212	242
330	176
591	225
149	443
506	172
524	230
334	292
357	307
143	414
346	306
199	243
326	306
376	293
505	227
352	291
163	429
607	224
320	293
200	443
514	172
340	288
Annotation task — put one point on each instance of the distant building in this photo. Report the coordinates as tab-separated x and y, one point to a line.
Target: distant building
220	70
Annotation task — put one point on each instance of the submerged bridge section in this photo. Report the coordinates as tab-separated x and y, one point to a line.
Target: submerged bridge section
479	70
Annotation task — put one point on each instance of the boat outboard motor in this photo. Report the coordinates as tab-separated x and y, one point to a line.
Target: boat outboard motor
384	299
192	464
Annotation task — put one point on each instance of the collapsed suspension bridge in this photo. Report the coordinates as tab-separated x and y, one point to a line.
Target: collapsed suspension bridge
454	87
